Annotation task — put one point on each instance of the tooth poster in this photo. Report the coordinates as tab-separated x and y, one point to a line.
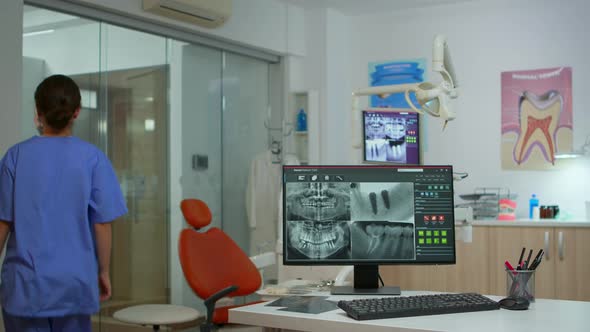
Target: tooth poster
537	118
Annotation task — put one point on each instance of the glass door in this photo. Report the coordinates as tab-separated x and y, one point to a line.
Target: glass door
177	121
123	76
251	157
131	123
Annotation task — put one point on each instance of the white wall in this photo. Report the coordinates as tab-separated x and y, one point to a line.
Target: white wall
486	38
338	46
34	71
11	26
10	77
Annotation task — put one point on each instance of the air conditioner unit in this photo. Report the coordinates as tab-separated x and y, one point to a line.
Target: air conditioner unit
207	13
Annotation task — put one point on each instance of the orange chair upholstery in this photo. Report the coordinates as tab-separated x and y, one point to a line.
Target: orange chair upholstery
213	264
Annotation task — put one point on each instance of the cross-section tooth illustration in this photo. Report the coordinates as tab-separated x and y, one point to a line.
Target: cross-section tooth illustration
539	117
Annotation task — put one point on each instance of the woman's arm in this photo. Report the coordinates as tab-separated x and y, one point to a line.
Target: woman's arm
103	233
4	231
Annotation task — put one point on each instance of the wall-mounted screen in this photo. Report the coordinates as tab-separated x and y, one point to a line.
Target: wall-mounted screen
391	137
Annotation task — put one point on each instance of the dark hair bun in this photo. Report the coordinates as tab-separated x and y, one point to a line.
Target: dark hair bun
57	98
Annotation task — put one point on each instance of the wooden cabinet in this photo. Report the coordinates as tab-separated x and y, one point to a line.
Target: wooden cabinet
565	270
506	243
563	273
572	263
469	274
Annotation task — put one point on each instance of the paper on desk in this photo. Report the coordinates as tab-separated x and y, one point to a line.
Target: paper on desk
304	304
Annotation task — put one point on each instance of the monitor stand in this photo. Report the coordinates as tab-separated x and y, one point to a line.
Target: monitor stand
366	282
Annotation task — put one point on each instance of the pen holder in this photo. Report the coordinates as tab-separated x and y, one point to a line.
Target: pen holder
521	283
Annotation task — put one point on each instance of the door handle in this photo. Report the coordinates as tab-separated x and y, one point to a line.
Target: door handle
546	249
560	246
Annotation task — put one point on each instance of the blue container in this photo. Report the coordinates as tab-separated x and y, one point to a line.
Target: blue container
534	201
301	120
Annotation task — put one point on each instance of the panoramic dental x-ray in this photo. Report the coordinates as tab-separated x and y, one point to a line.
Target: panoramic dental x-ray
350	220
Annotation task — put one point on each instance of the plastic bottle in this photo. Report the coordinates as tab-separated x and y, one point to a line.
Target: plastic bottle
301	120
533	202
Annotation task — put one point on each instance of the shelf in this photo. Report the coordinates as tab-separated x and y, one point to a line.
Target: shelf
304	143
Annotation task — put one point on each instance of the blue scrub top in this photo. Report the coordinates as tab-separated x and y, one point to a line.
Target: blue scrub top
52	190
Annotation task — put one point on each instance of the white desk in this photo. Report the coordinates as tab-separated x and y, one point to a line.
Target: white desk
543	315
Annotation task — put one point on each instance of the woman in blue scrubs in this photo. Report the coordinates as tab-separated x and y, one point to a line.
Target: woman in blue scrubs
58	197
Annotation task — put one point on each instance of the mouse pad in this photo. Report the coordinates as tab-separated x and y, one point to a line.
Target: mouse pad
304	304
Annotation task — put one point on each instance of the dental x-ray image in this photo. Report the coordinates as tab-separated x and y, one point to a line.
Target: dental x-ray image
318	216
391	137
383	220
385	138
382	201
382	240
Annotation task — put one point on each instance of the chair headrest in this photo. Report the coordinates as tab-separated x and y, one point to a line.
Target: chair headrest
196	212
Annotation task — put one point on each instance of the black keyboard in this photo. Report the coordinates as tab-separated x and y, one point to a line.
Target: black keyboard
421	305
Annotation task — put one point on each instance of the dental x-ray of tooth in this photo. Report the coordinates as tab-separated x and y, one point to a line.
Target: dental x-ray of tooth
318	216
382	201
382	240
385	138
383	220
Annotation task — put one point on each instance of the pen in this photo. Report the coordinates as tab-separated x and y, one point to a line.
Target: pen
509	267
536	258
535	263
538	262
520	259
528	260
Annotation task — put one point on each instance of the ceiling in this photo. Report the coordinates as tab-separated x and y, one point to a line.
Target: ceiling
362	7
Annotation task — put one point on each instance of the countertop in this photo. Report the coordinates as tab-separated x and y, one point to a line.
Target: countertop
529	223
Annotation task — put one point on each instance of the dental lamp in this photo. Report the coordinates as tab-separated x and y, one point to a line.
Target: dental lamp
433	99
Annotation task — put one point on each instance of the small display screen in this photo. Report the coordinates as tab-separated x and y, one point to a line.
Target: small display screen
391	137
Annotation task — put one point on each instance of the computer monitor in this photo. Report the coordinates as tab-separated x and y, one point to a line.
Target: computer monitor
391	137
366	216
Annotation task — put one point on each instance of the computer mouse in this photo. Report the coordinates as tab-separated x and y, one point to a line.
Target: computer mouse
512	303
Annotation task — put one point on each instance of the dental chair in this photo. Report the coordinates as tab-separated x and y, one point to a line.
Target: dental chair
213	264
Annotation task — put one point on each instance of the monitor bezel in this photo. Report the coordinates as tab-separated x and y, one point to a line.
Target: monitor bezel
389	110
361	262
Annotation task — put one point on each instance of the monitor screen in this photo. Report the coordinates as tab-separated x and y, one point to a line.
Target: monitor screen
368	215
391	137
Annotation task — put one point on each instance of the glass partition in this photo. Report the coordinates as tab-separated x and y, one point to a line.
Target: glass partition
177	121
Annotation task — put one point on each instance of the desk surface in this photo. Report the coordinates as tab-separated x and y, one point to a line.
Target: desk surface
543	315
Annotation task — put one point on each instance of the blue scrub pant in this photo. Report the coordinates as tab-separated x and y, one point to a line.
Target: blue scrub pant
75	323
